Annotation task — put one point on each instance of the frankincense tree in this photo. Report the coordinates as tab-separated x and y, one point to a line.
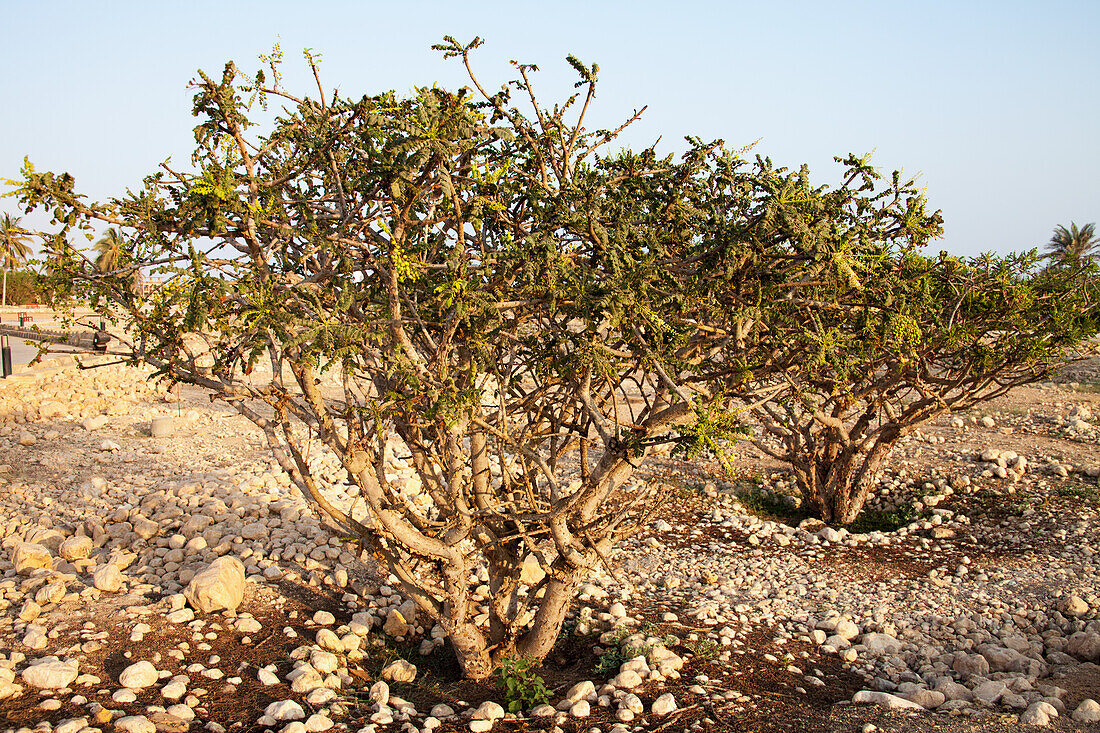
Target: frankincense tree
848	337
479	277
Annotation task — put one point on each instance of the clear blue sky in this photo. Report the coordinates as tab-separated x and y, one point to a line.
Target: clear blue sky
994	104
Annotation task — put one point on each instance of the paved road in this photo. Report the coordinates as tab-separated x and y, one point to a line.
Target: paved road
21	352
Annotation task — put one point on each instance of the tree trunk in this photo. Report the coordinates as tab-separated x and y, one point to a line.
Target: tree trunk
4	301
472	651
836	489
539	641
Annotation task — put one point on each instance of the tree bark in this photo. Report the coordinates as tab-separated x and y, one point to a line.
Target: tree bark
836	487
538	642
471	651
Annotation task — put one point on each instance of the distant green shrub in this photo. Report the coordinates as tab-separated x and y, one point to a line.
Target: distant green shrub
24	288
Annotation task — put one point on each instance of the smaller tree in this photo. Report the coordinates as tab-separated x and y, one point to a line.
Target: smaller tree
921	337
24	287
1082	243
848	338
14	248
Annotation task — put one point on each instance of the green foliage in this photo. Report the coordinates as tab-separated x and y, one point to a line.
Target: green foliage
711	430
703	650
880	520
1077	491
609	662
770	505
24	288
1066	245
523	689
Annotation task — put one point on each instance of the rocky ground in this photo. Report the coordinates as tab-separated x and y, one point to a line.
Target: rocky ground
966	599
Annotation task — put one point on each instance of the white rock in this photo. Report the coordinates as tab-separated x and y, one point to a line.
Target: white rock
71	725
531	572
880	643
219	587
395	624
968	665
321	696
161	427
885	700
1035	715
108	578
324	618
51	673
29	612
124	696
95	422
581	691
144	528
174	690
1084	645
183	712
76	548
846	630
285	710
35	638
442	711
139	675
489	710
327	639
135	724
1087	712
28	556
990	691
318	722
399	670
249	626
663	705
380	695
267	677
627	680
324	662
181	616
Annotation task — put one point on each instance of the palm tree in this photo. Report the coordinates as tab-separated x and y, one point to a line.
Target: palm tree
109	249
14	248
1073	242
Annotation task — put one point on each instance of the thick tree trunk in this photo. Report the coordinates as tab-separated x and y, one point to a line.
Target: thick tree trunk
539	641
472	652
472	649
836	488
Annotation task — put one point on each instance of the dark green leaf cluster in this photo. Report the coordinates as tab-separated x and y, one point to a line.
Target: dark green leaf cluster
523	689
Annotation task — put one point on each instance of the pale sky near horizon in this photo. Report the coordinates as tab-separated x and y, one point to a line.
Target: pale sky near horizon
994	104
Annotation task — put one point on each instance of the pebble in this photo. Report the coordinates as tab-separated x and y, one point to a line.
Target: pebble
663	705
135	724
285	710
